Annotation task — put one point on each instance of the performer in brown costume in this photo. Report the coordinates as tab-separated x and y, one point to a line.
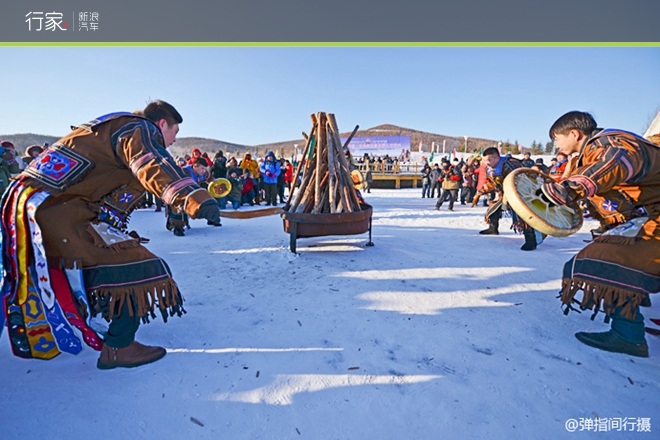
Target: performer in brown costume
67	253
619	173
498	168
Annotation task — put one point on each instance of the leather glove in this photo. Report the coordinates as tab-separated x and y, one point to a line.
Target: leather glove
210	211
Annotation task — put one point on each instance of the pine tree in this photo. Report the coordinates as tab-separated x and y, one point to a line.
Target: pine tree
549	147
515	149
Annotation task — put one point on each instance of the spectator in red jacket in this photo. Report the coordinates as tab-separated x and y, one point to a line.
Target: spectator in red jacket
288	174
249	188
557	170
197	153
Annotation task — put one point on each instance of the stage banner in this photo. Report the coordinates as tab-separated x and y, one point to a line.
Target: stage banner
379	146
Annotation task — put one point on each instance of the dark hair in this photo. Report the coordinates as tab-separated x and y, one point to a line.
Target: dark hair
200	161
490	150
157	110
575	120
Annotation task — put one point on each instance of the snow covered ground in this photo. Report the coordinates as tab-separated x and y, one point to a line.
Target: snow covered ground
434	333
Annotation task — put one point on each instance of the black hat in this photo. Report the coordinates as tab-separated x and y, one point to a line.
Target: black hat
539	160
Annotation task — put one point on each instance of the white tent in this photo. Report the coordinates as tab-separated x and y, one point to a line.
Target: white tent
654	128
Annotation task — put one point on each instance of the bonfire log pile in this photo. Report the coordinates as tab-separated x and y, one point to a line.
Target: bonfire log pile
326	186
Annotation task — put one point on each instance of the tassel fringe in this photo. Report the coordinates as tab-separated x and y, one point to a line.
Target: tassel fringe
612	298
163	295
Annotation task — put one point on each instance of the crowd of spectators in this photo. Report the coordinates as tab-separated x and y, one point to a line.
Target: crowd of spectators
459	180
265	180
371	159
253	181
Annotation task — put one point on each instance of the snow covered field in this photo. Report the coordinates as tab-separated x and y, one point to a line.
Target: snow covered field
434	333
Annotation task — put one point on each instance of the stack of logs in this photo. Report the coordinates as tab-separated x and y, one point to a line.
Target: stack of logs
326	185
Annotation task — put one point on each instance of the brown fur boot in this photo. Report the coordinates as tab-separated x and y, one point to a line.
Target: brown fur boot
134	355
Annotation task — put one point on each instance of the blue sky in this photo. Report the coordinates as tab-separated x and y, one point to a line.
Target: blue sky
253	95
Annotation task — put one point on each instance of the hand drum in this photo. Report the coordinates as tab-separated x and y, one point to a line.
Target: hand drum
520	189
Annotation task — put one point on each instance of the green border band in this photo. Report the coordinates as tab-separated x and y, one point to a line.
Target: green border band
340	44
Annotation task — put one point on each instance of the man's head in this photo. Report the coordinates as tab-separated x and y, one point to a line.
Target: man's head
200	166
527	155
7	144
270	156
166	117
553	161
34	150
491	156
570	131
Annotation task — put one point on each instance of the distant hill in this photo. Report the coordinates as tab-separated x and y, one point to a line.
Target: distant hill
184	145
416	136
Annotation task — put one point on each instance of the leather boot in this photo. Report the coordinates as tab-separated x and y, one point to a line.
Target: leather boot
530	240
492	230
134	355
608	341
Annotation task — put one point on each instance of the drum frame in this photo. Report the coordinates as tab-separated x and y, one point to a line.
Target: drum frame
514	200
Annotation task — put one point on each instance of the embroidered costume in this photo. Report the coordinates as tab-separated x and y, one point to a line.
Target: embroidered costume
619	173
67	254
